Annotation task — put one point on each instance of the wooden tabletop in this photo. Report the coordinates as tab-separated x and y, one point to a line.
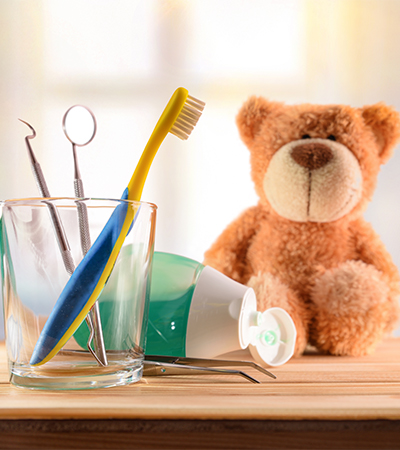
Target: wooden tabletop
315	392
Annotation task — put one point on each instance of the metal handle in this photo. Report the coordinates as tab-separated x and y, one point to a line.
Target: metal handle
82	217
93	318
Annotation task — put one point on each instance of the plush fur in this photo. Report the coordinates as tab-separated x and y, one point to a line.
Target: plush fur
305	247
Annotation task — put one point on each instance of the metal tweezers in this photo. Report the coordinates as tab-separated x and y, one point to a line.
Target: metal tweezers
156	365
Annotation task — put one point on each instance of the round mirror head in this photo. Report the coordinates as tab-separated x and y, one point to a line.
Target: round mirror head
79	125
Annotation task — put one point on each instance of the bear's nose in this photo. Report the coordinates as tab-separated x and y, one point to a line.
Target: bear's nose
312	156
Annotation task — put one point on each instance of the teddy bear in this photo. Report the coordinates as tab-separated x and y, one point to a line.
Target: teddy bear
305	246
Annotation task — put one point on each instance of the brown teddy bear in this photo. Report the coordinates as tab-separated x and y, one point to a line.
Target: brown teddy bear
305	247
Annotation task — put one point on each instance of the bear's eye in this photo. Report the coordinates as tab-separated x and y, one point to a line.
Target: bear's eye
306	136
331	137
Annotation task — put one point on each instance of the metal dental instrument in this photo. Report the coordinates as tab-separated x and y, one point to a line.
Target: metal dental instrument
154	368
56	222
172	365
79	125
55	218
208	362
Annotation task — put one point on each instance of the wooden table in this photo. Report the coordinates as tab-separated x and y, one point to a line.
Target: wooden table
317	401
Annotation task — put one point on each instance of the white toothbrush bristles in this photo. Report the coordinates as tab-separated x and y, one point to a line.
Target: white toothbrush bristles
187	118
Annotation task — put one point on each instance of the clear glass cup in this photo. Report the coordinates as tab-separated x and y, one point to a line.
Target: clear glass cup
33	274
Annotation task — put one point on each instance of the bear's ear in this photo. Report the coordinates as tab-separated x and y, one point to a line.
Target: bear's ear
385	124
252	114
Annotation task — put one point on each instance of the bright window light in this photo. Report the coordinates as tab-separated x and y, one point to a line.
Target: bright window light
97	39
253	38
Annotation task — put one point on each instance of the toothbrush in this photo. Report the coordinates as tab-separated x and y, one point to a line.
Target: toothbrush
85	285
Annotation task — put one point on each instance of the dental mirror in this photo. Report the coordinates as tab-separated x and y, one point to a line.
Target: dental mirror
79	125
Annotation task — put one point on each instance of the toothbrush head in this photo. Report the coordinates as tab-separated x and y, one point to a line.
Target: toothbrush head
188	117
179	118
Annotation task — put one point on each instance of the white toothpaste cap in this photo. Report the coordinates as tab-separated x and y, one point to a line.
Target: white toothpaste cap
273	341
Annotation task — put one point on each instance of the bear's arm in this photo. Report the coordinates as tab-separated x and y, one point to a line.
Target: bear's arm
371	250
228	253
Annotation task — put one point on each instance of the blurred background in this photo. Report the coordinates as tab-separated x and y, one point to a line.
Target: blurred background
124	58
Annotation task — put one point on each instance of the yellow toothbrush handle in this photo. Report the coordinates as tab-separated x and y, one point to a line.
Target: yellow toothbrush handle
164	125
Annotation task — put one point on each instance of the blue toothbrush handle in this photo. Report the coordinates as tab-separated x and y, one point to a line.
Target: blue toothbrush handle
79	288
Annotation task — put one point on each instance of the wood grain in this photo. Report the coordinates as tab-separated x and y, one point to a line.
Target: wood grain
309	393
311	387
199	434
